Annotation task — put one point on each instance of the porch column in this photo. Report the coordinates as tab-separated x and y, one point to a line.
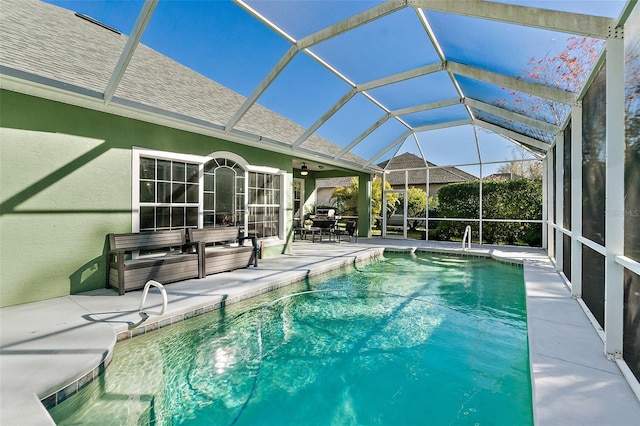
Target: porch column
559	200
614	204
545	200
576	200
364	205
551	246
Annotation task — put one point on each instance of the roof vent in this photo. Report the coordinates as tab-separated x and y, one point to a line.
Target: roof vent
98	23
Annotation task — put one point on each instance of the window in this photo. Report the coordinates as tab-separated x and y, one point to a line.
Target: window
264	204
176	191
224	194
169	194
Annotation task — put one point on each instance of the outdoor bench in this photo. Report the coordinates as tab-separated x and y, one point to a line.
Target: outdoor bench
135	258
222	249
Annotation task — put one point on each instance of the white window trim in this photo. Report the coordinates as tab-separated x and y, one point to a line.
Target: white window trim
281	174
138	152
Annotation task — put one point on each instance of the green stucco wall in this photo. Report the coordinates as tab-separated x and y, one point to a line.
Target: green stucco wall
65	183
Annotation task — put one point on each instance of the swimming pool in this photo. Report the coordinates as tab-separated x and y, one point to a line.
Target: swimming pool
426	339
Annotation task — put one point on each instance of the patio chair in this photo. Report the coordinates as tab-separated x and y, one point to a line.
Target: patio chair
296	228
351	229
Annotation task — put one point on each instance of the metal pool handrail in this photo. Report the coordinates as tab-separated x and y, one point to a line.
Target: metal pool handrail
163	292
467	237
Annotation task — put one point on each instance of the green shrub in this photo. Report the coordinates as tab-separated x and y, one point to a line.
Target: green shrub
518	199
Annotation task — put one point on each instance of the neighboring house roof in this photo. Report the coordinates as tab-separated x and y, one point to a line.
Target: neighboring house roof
417	176
42	42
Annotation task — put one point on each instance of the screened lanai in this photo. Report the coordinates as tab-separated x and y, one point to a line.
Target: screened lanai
367	81
342	88
378	78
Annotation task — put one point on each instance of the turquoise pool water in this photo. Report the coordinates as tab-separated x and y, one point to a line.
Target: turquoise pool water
410	340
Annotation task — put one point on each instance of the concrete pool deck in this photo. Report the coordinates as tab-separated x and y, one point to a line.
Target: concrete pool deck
50	349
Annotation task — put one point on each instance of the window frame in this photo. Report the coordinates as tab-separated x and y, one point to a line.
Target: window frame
138	153
277	176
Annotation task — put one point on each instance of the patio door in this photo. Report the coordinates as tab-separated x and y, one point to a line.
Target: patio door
396	225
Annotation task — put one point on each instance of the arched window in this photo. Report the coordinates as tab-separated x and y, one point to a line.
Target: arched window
173	191
224	193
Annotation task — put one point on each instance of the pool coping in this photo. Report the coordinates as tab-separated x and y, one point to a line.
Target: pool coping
541	280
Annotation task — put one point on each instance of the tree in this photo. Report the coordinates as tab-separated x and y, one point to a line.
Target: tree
567	70
376	199
522	166
346	198
416	205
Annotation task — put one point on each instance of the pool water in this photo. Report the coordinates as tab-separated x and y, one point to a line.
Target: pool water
409	340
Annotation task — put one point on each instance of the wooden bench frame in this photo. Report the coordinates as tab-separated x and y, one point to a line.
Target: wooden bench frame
218	252
170	264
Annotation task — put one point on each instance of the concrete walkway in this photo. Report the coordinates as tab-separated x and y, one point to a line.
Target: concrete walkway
50	349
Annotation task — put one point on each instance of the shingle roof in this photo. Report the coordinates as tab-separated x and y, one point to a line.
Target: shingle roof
50	42
417	176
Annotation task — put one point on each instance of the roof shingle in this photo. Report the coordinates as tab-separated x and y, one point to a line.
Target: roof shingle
417	171
48	41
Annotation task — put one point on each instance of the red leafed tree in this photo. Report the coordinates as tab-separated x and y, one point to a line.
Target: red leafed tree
567	70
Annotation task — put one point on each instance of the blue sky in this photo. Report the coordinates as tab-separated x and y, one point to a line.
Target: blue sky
222	41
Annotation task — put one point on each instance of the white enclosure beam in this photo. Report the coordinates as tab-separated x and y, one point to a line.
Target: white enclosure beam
545	202
387	148
572	23
326	116
126	55
355	21
438	48
273	73
548	206
260	17
624	15
523	139
559	192
614	204
512	116
396	78
426	107
576	200
536	89
362	136
443	125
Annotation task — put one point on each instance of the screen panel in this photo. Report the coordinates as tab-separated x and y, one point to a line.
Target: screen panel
593	159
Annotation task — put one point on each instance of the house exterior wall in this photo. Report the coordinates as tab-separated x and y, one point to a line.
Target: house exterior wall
65	176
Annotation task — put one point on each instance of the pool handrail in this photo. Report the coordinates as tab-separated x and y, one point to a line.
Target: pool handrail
467	237
163	292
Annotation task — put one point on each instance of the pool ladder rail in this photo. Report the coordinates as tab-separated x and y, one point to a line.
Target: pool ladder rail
163	292
466	238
